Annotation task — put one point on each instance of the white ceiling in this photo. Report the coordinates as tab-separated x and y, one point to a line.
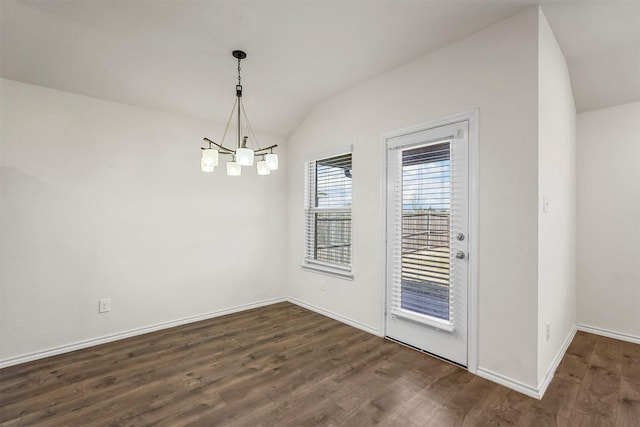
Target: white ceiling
176	55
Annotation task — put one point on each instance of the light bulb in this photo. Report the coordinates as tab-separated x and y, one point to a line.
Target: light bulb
263	169
204	166
244	156
272	161
210	157
233	169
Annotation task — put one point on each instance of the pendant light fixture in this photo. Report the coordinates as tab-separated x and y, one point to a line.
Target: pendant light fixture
242	155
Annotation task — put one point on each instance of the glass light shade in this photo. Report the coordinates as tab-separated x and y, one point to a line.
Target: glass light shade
244	156
210	157
263	169
233	169
204	166
272	161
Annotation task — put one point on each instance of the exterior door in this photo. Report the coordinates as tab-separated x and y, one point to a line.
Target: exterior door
427	240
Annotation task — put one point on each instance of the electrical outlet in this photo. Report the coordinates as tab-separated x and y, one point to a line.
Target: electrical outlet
323	285
548	331
104	305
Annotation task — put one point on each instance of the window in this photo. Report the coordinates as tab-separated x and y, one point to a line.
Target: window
328	215
424	221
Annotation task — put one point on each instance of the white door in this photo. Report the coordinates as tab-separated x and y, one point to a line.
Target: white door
428	239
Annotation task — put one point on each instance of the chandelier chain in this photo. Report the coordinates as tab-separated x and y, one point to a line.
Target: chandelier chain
239	78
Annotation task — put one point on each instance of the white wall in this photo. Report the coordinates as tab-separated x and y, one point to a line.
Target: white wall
556	187
103	200
608	170
494	70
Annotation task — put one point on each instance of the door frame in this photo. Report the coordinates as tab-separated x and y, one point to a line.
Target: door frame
472	117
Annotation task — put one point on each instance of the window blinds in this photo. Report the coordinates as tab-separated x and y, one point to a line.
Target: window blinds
421	266
328	210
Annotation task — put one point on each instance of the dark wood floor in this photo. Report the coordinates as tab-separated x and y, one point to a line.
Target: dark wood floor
283	365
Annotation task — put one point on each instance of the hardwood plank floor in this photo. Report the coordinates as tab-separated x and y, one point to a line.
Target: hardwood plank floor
283	365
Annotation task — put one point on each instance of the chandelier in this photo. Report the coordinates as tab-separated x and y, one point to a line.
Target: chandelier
241	155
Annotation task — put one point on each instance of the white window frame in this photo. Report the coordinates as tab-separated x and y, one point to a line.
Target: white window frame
337	270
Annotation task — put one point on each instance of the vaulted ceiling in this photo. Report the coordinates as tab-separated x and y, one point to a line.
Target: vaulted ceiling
176	55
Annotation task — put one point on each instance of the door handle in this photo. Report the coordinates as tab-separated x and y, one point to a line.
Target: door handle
460	255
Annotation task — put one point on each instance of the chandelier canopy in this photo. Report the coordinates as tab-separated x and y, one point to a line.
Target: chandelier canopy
241	155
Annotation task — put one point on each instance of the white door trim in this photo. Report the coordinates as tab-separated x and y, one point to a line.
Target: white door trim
472	117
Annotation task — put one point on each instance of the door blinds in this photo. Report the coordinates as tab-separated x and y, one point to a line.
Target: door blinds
421	267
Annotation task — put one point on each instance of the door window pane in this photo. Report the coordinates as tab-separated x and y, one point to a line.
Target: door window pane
426	200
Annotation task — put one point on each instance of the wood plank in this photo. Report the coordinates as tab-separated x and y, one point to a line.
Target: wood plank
630	364
599	393
507	408
555	408
628	412
572	368
582	345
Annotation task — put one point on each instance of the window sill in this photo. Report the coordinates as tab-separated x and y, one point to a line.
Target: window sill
327	270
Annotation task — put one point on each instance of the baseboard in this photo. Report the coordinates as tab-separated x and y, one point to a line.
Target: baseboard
335	316
131	333
525	388
556	362
509	382
538	393
607	333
